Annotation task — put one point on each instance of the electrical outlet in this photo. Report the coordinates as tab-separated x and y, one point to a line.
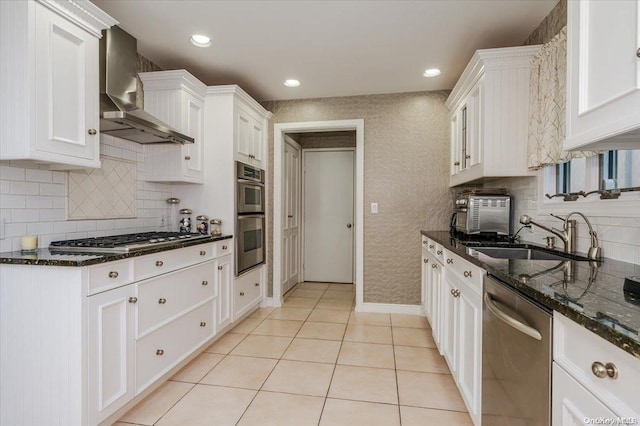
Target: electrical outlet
163	221
374	208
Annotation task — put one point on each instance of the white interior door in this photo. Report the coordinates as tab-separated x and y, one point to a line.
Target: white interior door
291	215
328	215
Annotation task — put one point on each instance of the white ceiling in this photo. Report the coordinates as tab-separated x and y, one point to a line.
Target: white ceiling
335	48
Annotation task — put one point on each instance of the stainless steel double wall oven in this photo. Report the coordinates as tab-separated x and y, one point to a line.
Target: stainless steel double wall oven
250	217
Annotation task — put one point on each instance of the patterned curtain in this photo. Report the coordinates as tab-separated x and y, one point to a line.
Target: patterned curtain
548	102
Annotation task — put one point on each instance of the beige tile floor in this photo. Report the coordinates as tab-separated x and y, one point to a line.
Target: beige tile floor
312	362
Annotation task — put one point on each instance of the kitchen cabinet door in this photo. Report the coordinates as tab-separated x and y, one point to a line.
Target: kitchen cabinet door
249	138
450	323
572	404
435	279
427	288
111	351
603	74
224	281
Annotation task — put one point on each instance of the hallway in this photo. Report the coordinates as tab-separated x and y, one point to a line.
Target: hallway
312	362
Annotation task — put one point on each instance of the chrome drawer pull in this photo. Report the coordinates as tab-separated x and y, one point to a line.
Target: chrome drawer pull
92	132
425	260
203	324
187	157
449	261
434	265
224	247
439	252
162	301
160	352
133	299
205	282
257	284
159	263
601	371
430	246
219	268
467	274
202	252
242	293
113	274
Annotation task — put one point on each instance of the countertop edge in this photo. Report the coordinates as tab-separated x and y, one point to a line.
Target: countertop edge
17	258
618	339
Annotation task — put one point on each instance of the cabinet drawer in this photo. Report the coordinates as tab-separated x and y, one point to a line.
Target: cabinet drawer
469	272
170	260
159	351
163	298
576	349
247	291
223	247
110	275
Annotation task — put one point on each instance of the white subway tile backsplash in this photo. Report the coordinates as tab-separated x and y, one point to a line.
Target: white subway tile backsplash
13	201
40	228
39	202
86	225
25	188
65	227
12	173
5	187
15	229
53	189
37	175
25	215
59	177
52	214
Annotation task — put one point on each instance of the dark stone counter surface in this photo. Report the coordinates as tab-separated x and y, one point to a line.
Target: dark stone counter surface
593	298
47	258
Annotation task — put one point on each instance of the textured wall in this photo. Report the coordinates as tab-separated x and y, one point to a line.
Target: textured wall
550	25
326	139
143	65
406	157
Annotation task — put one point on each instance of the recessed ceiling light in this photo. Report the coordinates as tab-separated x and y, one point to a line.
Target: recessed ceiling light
431	72
291	83
201	40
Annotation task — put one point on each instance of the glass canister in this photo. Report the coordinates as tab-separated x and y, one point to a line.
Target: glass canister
216	227
202	224
185	220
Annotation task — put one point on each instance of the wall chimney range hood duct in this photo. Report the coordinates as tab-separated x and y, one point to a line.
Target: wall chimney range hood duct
119	115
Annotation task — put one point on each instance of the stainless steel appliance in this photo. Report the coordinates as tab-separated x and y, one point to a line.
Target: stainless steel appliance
249	189
482	212
250	220
516	358
125	243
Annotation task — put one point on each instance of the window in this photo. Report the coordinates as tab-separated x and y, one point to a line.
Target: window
609	170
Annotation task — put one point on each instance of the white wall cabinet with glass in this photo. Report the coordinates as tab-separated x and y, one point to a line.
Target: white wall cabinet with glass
592	378
453	288
177	98
490	116
49	82
603	65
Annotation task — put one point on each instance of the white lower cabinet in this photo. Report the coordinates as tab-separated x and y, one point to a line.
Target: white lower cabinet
111	351
248	291
452	290
224	271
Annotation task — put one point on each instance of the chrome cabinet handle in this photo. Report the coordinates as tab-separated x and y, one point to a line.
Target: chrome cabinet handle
159	263
187	157
425	260
494	307
430	246
424	242
434	265
467	156
203	324
456	163
219	268
348	225
92	132
456	293
242	293
603	370
467	274
439	252
202	252
449	261
162	301
160	352
224	247
290	216
638	52
257	284
133	299
113	274
205	282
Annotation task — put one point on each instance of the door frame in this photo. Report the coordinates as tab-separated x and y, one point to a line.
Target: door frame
289	140
302	199
279	131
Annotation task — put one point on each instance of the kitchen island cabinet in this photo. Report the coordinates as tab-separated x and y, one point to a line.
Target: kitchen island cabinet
603	64
49	78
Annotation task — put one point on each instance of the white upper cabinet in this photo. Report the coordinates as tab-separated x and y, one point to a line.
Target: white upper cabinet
49	82
177	98
490	115
250	137
603	75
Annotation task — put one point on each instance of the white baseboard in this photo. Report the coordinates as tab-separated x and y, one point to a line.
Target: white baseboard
270	301
390	308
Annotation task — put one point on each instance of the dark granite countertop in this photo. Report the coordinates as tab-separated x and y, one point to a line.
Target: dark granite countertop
46	258
593	298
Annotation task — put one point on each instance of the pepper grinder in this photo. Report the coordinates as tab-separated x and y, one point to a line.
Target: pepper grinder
202	224
185	220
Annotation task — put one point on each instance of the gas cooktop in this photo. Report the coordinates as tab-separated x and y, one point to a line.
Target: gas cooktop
125	243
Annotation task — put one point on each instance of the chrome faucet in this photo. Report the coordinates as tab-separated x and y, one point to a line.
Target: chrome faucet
568	234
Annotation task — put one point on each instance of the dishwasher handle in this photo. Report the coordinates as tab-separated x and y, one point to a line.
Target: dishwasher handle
521	327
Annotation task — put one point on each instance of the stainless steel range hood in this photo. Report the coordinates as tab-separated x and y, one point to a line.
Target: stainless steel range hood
119	115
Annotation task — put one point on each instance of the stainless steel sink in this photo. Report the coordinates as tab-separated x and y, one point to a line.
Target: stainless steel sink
522	253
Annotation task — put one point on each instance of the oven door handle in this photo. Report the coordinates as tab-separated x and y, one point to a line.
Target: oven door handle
521	327
251	216
249	182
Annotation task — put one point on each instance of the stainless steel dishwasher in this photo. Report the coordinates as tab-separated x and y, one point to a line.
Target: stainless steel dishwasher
516	358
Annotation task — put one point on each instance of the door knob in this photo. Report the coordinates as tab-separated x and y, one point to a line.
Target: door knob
348	225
